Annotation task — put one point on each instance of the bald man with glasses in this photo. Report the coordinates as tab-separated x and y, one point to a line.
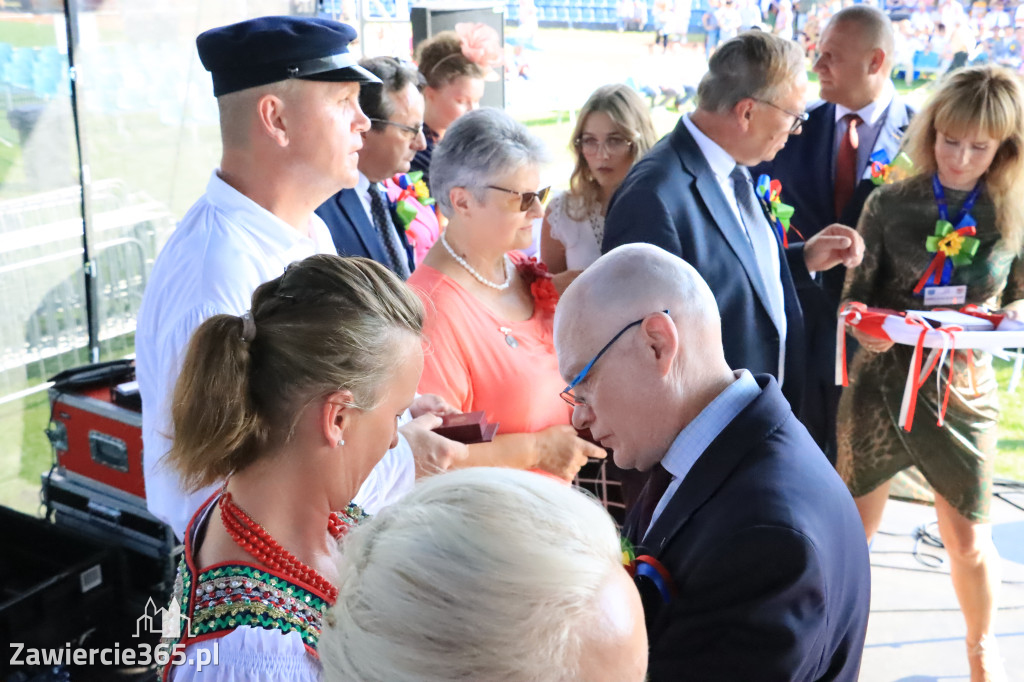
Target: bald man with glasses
753	564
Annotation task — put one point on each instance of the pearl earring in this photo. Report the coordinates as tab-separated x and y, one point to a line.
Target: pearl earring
341	441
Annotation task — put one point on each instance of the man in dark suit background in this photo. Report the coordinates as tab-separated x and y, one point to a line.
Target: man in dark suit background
826	176
692	196
769	575
361	220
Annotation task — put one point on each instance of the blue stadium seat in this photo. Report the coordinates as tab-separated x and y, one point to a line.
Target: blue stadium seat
576	15
562	14
606	16
589	15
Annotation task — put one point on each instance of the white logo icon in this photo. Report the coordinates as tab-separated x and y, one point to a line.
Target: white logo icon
166	622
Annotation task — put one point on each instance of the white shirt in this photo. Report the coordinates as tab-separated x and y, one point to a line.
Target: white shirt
722	165
872	117
696	436
363	192
249	654
224	247
577	236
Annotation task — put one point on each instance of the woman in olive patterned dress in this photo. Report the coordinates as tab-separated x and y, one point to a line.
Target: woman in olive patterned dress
968	150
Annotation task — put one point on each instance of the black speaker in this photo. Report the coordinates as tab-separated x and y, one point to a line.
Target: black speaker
431	18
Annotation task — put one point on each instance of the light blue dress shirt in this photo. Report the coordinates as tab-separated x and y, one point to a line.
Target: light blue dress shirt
695	438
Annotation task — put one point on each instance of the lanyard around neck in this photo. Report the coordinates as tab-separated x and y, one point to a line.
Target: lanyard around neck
965	210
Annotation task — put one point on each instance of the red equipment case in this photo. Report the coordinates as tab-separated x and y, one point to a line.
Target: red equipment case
97	439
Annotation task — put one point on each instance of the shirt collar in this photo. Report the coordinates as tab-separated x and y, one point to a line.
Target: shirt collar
278	234
696	436
872	113
363	185
720	161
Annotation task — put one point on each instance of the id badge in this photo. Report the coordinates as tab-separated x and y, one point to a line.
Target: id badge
951	295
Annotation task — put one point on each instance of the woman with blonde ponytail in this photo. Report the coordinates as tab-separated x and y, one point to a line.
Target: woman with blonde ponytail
292	404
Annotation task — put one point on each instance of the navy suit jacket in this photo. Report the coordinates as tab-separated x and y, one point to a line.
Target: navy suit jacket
671	199
352	231
767	555
805	167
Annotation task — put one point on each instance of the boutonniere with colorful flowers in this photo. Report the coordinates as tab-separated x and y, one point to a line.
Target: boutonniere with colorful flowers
953	248
884	172
953	241
770	192
647	568
536	274
408	193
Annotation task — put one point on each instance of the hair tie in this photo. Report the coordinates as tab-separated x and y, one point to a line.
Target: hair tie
248	327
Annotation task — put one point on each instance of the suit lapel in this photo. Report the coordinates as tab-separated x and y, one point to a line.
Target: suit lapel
722	215
367	233
890	134
762	417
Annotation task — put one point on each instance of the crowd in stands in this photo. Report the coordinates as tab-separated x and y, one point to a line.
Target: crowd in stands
356	273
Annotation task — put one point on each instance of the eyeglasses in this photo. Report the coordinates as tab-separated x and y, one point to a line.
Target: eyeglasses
525	198
414	131
798	119
567	394
613	145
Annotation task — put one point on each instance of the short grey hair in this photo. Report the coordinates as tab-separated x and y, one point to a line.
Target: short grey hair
478	574
480	146
875	24
754	64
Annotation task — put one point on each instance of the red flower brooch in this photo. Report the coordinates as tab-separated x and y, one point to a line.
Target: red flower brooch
536	274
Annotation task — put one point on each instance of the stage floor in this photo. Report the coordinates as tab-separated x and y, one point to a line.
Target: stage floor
916	632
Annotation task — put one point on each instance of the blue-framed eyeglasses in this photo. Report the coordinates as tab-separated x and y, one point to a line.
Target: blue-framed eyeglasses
567	394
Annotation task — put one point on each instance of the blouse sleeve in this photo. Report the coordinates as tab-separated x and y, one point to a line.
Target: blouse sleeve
558	219
248	654
446	361
861	281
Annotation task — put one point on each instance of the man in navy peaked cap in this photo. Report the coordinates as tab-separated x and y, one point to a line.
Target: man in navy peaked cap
288	93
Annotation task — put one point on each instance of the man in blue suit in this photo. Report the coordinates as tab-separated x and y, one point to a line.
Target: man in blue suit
692	196
754	565
361	220
826	176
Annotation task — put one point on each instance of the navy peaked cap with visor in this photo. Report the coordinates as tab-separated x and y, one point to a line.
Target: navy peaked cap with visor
272	49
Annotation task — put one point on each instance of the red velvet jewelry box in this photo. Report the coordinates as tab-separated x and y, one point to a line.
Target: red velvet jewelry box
468	428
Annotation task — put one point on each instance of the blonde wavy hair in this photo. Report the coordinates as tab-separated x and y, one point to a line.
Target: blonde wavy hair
630	115
987	99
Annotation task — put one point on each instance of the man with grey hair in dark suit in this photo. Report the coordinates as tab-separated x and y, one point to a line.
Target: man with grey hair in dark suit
693	196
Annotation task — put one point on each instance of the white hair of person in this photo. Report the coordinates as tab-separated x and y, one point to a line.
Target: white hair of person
479	574
481	146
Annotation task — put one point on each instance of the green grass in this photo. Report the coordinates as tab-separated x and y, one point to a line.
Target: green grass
1010	460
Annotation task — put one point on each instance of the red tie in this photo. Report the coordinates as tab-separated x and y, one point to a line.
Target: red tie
846	164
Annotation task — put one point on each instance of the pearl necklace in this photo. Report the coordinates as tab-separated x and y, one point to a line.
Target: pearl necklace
480	278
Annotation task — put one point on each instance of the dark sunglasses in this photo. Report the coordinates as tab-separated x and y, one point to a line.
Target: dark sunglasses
526	199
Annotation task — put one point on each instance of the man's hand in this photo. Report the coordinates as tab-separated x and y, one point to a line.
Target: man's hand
431	452
429	403
562	453
836	244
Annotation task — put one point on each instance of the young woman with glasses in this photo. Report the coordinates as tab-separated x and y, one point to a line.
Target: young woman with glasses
612	132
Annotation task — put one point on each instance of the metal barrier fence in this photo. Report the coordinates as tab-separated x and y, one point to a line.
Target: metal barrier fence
42	284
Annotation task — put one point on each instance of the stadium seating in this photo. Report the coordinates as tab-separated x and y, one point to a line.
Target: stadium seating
588	14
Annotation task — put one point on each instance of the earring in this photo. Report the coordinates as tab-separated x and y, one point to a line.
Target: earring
341	441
